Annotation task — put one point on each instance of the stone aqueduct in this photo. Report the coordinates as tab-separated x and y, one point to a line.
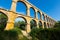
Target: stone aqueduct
12	15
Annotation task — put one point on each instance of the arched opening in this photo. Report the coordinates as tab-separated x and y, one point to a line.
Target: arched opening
3	20
50	25
38	15
47	25
20	22
6	4
40	24
49	19
33	24
46	19
21	8
32	12
44	25
43	18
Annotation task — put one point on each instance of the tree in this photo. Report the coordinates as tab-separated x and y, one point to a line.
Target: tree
20	24
33	24
57	24
3	21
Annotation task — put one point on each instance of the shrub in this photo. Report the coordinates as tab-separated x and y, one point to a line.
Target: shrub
8	35
45	34
57	24
12	35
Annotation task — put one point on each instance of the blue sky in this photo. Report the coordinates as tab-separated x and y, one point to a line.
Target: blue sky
50	7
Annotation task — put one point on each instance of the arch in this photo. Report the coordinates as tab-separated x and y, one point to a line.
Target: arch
43	18
32	12
50	25
3	21
39	15
4	13
47	25
44	25
21	8
20	22
40	24
49	19
46	18
33	24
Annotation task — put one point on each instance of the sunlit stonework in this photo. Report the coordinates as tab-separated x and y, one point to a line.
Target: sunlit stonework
12	15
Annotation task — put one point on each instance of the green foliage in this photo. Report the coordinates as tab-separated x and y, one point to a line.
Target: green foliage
45	34
33	24
3	21
12	35
20	24
18	30
8	35
57	24
24	38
